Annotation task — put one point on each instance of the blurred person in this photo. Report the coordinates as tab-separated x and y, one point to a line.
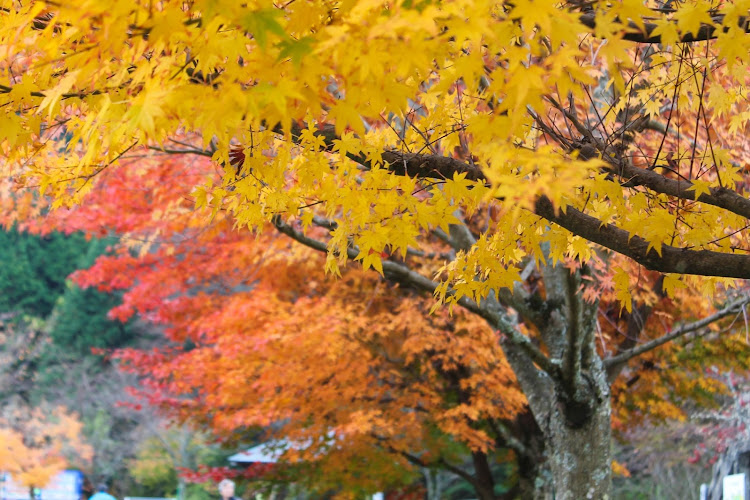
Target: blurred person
226	490
101	493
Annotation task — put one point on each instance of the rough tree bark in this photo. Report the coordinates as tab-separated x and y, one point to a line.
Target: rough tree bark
568	390
576	433
581	460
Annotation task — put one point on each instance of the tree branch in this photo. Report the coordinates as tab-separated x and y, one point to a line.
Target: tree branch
401	273
573	347
505	437
733	308
5	89
191	151
719	196
671	260
635	323
634	32
634	176
461	239
440	463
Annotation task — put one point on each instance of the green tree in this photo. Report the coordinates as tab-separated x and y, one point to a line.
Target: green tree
81	322
35	268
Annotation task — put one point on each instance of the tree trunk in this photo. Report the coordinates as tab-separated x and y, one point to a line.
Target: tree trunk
529	479
576	433
485	485
576	463
530	458
580	458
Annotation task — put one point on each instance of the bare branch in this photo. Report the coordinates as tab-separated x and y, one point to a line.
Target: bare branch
401	273
734	307
440	463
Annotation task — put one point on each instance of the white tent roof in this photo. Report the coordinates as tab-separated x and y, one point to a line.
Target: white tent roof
271	451
266	453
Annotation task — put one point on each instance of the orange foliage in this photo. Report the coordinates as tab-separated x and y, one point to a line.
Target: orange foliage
272	340
35	445
632	147
351	367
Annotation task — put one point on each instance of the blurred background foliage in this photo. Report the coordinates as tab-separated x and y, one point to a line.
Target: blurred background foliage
50	326
56	324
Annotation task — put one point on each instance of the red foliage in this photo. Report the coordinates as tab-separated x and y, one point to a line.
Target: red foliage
205	474
261	336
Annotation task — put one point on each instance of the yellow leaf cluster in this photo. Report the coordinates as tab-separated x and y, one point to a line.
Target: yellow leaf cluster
84	86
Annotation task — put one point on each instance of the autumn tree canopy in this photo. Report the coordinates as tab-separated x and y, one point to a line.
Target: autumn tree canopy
261	336
366	130
334	363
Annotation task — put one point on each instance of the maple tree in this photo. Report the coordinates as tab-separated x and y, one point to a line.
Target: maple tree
260	325
35	442
27	460
323	354
32	453
618	124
